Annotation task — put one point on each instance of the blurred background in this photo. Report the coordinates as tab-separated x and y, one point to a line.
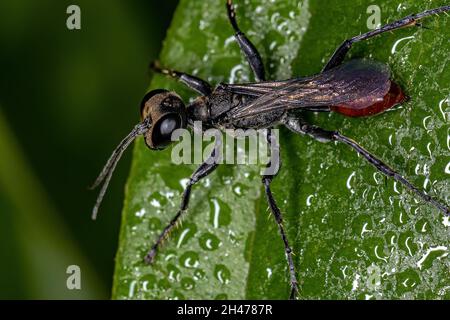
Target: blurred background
67	97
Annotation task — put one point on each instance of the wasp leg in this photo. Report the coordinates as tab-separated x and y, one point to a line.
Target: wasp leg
194	83
249	50
411	20
322	135
266	180
202	171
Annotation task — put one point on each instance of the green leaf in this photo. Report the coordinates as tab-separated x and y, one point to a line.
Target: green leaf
355	233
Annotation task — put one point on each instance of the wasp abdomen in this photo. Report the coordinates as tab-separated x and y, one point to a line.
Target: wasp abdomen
367	107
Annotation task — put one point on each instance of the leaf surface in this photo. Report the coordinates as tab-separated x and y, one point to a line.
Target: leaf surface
355	233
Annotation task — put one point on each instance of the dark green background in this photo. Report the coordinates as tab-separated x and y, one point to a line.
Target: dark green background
66	99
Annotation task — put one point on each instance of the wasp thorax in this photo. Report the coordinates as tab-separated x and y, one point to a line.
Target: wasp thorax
166	112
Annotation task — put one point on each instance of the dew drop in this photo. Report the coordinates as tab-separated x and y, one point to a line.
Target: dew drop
190	260
239	189
309	199
394	47
188	232
222	273
187	283
140	213
173	273
199	274
433	253
148	282
157	200
220	213
209	242
178	296
349	180
447	168
164	284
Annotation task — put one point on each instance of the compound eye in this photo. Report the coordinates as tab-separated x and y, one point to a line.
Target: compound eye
167	126
162	132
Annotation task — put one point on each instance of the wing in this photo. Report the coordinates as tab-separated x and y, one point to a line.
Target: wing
357	83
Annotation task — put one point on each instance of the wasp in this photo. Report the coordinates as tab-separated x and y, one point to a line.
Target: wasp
354	88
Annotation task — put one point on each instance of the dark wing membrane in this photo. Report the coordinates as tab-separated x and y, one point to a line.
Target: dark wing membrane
357	81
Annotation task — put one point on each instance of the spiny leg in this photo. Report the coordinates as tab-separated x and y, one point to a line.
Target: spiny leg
411	20
251	53
266	180
193	82
322	135
202	171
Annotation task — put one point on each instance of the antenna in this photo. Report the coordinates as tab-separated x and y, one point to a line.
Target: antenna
107	171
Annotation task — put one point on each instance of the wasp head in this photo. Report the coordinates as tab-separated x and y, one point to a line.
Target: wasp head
166	112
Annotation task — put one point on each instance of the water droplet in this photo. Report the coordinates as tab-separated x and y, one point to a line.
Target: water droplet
220	213
199	274
189	231
157	200
202	25
447	168
178	296
445	102
132	289
365	229
229	40
235	73
148	282
232	236
221	296
190	259
309	199
173	273
274	18
349	180
209	242
394	47
164	284
425	122
272	45
140	213
184	182
187	283
239	189
432	253
269	273
222	273
377	255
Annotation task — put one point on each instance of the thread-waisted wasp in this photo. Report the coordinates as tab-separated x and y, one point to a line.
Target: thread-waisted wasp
354	88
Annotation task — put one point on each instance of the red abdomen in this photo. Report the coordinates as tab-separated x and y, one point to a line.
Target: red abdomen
367	106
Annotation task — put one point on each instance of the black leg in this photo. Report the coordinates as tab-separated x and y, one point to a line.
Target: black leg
202	171
266	180
411	20
322	135
249	50
196	84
